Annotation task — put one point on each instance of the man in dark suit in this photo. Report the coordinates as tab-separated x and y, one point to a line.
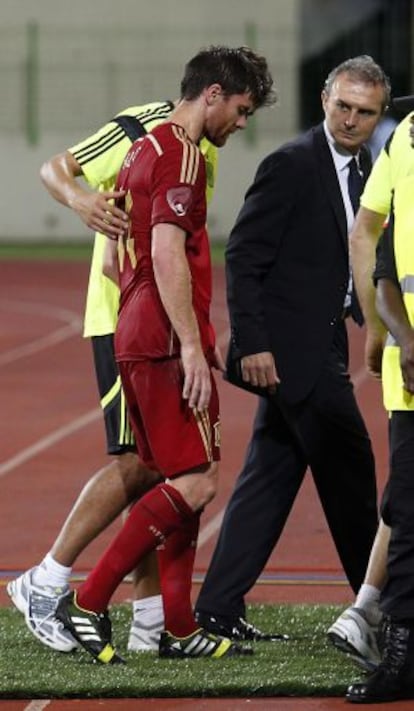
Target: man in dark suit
289	293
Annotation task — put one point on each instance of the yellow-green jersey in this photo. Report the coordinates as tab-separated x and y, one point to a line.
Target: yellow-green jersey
391	183
100	156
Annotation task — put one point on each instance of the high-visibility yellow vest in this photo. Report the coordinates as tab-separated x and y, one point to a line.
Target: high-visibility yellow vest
394	394
392	179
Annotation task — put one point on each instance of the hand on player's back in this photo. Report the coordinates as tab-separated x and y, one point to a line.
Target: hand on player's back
98	211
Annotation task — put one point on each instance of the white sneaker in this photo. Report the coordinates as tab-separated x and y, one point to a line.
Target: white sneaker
355	635
145	637
38	604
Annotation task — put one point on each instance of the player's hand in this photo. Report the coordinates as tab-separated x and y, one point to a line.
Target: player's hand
259	370
407	364
374	346
98	211
197	377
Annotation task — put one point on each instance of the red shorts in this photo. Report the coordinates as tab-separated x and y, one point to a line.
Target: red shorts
168	433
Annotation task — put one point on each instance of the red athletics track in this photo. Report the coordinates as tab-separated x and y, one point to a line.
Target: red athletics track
52	441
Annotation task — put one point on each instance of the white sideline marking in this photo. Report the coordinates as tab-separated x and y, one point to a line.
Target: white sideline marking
37	705
25	454
74	325
61	334
71	318
209	530
206	532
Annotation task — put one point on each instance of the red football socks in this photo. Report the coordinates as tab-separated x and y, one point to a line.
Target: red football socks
176	562
160	512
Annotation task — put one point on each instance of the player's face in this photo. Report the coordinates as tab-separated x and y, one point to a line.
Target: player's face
227	115
352	110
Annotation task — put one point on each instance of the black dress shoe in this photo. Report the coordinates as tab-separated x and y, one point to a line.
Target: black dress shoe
236	628
380	687
394	678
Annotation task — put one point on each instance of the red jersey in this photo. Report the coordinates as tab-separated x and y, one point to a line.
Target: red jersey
164	176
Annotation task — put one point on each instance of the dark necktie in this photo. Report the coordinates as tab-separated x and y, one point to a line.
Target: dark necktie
355	184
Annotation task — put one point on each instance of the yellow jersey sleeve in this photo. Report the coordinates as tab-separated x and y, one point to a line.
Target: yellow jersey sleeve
391	168
377	191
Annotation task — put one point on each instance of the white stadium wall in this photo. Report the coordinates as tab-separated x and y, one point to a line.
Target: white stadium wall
68	67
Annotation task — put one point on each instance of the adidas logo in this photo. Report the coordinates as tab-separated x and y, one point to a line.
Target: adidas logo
200	646
85	629
197	646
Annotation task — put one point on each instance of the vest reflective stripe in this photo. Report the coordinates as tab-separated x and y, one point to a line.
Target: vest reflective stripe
407	284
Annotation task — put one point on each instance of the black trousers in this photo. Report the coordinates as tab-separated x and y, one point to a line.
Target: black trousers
397	511
326	432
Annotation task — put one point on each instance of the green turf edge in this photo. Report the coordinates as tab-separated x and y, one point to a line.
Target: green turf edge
71	250
306	665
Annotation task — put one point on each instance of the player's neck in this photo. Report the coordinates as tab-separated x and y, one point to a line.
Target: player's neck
189	115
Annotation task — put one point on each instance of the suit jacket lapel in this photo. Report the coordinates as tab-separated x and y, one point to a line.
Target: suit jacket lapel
329	181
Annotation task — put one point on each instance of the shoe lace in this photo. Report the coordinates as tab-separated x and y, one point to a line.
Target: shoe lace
43	607
247	626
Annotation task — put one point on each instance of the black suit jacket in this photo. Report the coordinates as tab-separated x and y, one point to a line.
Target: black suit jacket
287	263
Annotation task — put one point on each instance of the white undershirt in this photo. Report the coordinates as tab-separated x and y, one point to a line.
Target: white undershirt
341	159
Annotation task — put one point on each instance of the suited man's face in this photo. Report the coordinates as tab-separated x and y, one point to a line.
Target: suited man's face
352	110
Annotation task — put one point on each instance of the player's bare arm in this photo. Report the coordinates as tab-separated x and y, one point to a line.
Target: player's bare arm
95	209
110	261
392	309
173	280
364	237
259	369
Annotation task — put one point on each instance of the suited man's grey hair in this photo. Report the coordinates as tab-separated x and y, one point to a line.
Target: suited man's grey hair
364	69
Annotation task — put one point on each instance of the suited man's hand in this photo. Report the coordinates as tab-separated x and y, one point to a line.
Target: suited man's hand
259	369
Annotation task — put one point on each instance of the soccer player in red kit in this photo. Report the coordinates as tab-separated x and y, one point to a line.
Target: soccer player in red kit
165	350
165	182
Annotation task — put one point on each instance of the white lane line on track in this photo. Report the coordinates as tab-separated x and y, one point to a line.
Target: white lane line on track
45	442
37	705
207	531
73	326
61	334
210	529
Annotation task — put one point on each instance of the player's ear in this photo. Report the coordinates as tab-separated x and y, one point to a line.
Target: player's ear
213	92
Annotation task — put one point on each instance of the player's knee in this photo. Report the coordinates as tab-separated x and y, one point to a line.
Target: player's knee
206	486
199	487
210	483
136	476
